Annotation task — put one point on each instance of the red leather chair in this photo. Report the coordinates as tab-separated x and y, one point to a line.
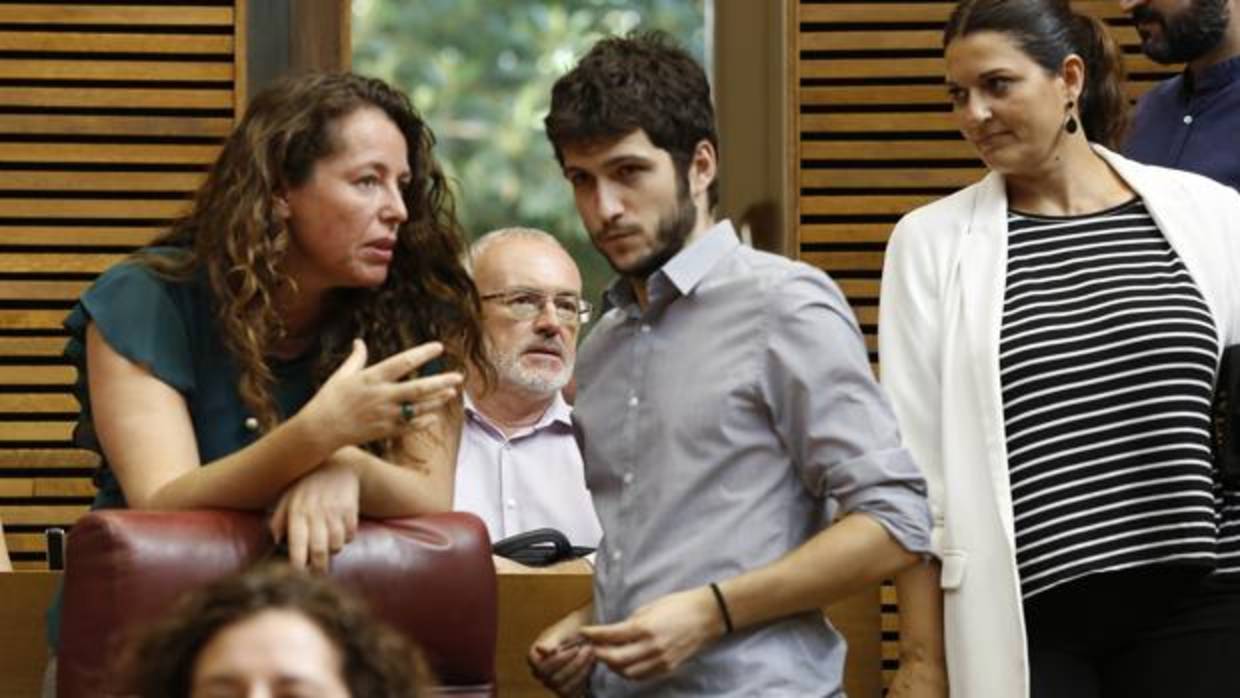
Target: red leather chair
430	577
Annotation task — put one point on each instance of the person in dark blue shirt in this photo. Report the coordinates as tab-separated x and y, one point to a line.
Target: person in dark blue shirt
1190	121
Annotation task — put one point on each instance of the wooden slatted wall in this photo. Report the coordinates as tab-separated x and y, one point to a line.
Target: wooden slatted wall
874	139
109	116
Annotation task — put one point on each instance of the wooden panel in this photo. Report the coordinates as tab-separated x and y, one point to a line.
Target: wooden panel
26	345
78	236
874	12
41	290
891	178
25	543
884	122
43	515
858	204
106	131
26	458
121	15
58	262
34	403
883	94
24	596
857	617
916	39
918	67
888	150
126	98
91	42
46	487
153	154
860	288
143	71
846	261
28	180
161	209
36	431
50	124
81	487
528	603
25	320
932	13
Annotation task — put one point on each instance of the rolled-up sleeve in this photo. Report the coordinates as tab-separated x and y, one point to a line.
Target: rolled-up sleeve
831	413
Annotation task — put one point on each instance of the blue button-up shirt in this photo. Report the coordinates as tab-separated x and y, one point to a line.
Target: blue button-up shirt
1192	124
716	425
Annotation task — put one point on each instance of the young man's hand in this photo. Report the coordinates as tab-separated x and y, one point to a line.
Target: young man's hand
561	658
659	636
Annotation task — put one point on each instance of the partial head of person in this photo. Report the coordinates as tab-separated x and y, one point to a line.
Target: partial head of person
1182	31
532	309
326	217
1028	79
273	632
633	127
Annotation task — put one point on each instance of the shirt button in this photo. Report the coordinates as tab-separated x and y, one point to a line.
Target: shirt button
1188	118
251	424
628	478
645	329
512	504
615	556
633	401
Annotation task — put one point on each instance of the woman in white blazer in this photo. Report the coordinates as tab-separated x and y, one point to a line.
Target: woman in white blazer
1036	89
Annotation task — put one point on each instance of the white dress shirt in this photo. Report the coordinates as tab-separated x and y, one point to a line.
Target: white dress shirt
531	479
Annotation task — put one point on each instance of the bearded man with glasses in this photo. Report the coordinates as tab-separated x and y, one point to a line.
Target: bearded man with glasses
518	465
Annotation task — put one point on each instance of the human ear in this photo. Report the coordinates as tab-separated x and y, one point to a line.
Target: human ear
279	205
1072	73
703	167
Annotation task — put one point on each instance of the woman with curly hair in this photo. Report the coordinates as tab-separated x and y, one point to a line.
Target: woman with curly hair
271	631
279	332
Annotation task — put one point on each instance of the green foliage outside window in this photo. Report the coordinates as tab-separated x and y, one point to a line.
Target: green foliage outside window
480	72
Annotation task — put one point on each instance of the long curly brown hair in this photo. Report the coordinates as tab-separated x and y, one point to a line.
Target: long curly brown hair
233	238
376	661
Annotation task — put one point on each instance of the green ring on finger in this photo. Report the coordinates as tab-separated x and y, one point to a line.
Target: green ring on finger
407	412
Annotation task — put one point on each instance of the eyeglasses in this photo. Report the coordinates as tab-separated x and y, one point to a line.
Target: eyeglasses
528	303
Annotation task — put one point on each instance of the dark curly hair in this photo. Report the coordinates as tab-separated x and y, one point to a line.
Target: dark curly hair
642	81
376	661
1048	31
233	237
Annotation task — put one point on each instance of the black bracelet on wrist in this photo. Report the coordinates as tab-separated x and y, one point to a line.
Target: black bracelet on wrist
723	607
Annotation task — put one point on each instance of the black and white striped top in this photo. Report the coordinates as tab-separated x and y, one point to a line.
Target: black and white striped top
1107	358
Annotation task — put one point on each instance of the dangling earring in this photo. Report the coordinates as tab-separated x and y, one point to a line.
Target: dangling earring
1070	125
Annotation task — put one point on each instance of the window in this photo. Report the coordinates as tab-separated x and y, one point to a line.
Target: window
480	72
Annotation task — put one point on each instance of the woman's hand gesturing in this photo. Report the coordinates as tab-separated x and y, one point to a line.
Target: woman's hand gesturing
358	404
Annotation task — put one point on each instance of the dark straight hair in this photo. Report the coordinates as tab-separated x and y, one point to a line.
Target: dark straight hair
1048	31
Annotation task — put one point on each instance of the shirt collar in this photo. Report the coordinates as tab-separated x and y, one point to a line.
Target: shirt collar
558	412
685	270
1213	77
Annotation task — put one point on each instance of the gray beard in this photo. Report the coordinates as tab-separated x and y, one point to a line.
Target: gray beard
509	370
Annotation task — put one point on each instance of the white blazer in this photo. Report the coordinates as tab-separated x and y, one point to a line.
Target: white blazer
939	320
